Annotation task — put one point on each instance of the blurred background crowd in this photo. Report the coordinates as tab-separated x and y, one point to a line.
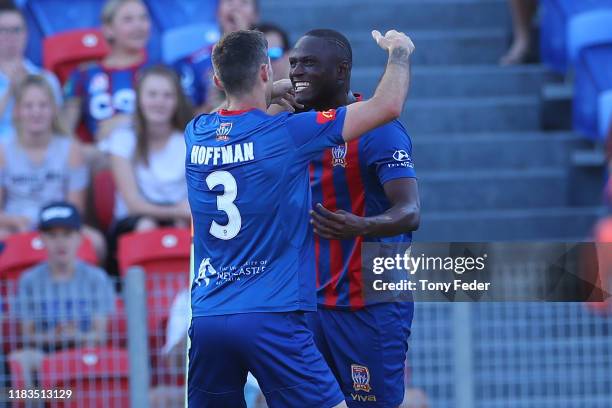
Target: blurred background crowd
509	111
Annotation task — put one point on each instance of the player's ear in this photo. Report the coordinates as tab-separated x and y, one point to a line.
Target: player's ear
218	83
343	70
265	72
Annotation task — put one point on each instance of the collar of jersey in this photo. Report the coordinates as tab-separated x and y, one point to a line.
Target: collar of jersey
225	112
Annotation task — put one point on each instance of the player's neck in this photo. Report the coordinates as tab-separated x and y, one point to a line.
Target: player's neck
247	102
339	100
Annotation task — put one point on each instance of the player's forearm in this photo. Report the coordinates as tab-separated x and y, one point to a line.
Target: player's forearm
393	87
399	219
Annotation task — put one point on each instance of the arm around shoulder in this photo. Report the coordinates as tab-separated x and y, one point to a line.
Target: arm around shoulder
388	101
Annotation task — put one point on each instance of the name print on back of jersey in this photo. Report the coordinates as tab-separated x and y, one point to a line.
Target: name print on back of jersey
221	155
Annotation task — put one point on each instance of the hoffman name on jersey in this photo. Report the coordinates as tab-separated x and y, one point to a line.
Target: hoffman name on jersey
220	155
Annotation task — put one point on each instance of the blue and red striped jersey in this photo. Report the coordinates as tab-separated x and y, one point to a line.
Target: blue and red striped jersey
104	92
350	177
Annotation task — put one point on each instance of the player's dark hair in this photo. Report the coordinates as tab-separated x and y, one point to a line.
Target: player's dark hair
237	58
273	28
338	39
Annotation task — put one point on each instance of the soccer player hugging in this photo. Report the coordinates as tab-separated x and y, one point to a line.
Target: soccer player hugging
254	250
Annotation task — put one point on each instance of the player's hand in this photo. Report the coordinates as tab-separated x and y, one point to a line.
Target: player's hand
283	94
336	225
393	39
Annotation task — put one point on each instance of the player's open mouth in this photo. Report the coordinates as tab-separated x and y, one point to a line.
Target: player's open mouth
300	86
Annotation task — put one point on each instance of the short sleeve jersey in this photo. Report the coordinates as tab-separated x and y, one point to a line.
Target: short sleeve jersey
351	176
104	92
248	188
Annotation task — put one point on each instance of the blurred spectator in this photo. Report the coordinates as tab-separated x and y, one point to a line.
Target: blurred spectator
523	12
195	70
147	160
103	92
278	49
415	398
14	66
608	192
40	164
63	302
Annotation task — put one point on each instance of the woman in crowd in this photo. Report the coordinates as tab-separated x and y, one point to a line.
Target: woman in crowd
41	163
148	159
14	65
103	92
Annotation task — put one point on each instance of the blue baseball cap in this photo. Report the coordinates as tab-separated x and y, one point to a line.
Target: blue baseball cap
59	215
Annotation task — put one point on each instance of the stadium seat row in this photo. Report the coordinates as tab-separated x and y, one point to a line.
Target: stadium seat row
173	22
577	35
163	254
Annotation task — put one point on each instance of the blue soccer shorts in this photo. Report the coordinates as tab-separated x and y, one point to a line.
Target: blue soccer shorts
366	350
277	348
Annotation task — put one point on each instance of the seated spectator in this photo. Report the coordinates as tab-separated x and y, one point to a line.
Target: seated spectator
147	160
523	12
278	49
40	164
63	302
103	92
195	70
14	66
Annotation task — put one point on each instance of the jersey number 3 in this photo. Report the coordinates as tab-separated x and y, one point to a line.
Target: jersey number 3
225	203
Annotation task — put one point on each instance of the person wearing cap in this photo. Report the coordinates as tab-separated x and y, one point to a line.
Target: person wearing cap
61	302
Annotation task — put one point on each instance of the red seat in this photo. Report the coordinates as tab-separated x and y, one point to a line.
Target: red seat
10	334
104	198
603	240
23	251
63	52
117	326
164	254
97	377
164	250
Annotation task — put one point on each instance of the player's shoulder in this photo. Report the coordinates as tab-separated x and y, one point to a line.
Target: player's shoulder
389	131
200	123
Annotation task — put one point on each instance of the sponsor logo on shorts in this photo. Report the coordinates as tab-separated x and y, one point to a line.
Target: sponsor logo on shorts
363	398
339	155
361	377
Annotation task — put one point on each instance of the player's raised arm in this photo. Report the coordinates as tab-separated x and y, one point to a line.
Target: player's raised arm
387	103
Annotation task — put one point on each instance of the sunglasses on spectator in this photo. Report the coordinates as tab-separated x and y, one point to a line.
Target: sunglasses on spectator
275	53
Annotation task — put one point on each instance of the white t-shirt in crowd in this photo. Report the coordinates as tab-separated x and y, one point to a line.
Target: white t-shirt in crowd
163	181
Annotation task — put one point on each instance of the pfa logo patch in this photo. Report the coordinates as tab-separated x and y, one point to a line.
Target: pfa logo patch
339	155
223	131
361	378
